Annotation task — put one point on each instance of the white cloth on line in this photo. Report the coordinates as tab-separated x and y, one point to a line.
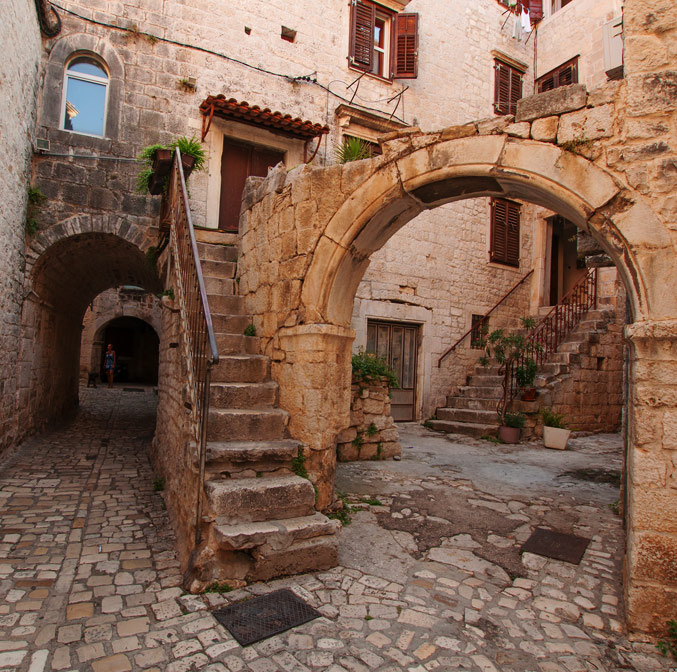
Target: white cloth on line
525	20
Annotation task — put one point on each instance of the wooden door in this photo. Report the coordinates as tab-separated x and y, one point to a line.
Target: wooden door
238	162
397	344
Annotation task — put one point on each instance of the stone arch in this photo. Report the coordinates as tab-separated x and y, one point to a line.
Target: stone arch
492	165
61	52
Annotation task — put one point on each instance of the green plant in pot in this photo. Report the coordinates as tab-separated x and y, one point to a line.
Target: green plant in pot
525	374
510	430
555	432
157	159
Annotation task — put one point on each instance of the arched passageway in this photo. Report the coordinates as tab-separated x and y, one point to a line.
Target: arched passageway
300	282
62	282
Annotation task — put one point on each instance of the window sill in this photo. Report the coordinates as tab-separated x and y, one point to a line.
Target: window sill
73	139
505	267
372	75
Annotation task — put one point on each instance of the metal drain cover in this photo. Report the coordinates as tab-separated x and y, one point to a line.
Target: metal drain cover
261	617
556	545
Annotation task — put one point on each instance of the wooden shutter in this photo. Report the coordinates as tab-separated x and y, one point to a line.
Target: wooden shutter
561	76
406	46
535	8
515	89
362	20
501	88
505	232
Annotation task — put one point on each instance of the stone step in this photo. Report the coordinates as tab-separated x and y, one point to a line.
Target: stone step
236	344
490	370
468	428
219	269
485	381
242	424
221	286
241	369
475	416
237	455
243	395
225	305
576	346
552	369
253	500
210	252
231	324
476	392
469	402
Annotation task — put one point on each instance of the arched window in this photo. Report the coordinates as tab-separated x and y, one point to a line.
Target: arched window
85	96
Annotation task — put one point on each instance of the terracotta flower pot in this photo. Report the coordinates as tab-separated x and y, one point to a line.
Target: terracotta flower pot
555	437
529	395
509	434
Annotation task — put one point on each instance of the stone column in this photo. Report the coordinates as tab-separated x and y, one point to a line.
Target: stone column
313	370
651	518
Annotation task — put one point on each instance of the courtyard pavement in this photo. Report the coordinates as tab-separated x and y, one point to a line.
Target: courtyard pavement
431	577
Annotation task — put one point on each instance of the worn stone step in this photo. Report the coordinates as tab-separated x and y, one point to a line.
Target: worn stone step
243	395
231	324
293	546
221	286
485	381
225	305
241	424
219	269
466	428
490	370
476	416
236	344
236	455
476	392
576	346
241	369
253	500
469	402
210	252
552	369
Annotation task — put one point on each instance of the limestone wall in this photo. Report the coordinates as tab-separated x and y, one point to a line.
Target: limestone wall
576	30
20	37
372	434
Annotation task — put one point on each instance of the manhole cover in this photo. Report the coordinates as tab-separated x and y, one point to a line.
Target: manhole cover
556	545
264	616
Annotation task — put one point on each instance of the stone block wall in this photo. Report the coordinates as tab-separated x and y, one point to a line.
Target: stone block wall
20	37
372	434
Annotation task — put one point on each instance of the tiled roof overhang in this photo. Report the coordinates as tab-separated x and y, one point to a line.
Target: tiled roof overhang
277	122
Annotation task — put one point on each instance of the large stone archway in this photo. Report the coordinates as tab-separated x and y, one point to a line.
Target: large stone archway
306	241
66	267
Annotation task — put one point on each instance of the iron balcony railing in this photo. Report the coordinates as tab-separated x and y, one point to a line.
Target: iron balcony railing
199	341
546	337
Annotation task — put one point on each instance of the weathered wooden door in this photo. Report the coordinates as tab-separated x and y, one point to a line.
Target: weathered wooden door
397	343
238	162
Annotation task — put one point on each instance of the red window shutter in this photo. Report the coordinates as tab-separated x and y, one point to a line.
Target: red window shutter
535	8
498	231
502	88
513	235
362	20
406	46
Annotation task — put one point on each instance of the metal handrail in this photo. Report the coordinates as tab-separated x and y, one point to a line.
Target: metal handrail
544	338
200	349
481	322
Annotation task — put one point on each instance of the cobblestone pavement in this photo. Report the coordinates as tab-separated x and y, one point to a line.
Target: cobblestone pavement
431	577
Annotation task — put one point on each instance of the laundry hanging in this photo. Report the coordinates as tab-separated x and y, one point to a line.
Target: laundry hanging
525	20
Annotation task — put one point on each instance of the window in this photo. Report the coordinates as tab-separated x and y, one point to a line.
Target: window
507	87
505	232
558	4
382	42
479	332
562	76
85	96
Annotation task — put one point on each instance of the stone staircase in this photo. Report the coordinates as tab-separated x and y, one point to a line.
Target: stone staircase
472	409
262	515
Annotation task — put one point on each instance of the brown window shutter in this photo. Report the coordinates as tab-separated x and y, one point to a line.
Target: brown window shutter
502	89
406	46
362	20
513	235
515	90
546	84
535	8
498	231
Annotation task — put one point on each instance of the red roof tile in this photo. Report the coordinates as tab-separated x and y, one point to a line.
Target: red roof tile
276	122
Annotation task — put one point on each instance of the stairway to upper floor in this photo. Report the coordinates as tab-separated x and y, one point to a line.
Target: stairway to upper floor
261	515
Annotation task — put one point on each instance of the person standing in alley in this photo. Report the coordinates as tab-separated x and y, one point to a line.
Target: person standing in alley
109	364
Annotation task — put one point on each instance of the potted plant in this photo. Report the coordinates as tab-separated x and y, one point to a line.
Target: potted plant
525	374
157	161
509	431
555	432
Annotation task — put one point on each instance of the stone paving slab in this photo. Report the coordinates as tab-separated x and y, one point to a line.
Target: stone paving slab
430	575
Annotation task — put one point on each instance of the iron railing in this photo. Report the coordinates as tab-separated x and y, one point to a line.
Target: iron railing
478	326
199	342
546	337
